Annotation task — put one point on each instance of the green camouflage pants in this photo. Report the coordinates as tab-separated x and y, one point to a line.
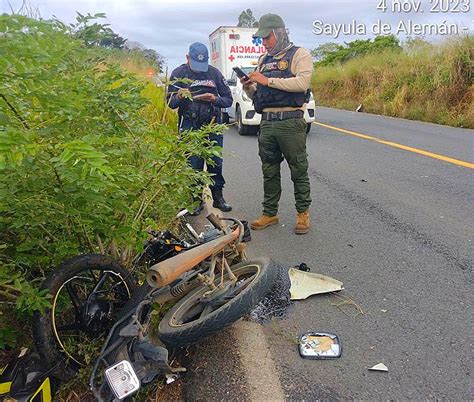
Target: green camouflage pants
277	140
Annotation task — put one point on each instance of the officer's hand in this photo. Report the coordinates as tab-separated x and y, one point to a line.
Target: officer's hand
207	97
184	93
246	83
259	78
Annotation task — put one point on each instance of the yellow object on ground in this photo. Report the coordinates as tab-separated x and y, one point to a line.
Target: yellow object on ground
5	387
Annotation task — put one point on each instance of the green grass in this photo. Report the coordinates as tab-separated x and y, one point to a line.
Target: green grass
433	84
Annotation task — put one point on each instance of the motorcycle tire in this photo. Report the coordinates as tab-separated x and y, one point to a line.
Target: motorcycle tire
176	334
46	337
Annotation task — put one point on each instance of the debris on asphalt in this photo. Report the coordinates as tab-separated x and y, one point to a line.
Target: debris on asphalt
379	367
303	267
320	345
347	301
305	284
284	334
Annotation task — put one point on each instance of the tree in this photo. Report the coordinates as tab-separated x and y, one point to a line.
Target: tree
154	57
247	20
386	42
323	50
96	34
417	45
131	44
333	53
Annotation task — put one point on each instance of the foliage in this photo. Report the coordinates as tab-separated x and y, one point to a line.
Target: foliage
7	337
154	58
247	19
424	82
417	45
150	55
16	286
329	54
89	156
96	34
322	51
134	61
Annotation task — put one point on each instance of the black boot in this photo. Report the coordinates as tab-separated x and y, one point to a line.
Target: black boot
219	201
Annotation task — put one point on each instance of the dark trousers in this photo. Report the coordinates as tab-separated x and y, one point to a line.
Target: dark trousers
198	163
280	140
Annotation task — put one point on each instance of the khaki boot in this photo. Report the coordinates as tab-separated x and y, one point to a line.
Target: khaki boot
263	222
302	222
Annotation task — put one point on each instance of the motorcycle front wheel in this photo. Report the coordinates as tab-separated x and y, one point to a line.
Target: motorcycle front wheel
195	316
87	293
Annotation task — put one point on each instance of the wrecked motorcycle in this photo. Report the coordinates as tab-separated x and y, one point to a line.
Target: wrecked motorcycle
208	278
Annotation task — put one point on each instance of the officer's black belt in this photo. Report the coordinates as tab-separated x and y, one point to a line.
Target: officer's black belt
272	116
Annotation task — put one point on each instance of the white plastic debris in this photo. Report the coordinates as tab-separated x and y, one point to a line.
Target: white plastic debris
170	378
379	367
305	284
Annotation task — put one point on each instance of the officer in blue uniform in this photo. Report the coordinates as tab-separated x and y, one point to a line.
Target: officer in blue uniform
210	94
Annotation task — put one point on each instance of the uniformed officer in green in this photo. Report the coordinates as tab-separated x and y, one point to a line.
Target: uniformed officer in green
279	89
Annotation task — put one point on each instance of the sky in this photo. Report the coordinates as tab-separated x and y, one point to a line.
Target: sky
169	27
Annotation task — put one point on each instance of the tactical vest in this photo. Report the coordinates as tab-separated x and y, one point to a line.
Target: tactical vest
200	112
265	96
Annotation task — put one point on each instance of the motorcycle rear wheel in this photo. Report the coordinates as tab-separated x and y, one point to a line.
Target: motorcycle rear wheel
192	319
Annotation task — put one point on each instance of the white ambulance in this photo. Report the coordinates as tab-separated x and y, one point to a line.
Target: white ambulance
232	46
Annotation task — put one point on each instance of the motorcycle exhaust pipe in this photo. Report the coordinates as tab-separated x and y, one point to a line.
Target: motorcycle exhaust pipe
165	272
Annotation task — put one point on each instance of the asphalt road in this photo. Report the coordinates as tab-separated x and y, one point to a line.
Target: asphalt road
396	227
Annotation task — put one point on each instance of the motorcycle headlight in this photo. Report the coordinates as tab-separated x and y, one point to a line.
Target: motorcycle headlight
122	379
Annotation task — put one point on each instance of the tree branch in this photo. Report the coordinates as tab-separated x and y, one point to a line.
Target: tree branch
17	114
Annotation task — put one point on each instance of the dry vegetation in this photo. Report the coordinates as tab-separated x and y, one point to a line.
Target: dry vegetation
429	83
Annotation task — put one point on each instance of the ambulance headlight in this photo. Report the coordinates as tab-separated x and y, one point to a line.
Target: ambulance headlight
245	97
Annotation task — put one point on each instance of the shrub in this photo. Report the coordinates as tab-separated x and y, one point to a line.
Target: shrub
89	156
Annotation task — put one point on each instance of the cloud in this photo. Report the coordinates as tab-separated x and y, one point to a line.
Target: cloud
169	27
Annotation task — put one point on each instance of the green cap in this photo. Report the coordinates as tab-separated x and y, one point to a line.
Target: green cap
267	23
